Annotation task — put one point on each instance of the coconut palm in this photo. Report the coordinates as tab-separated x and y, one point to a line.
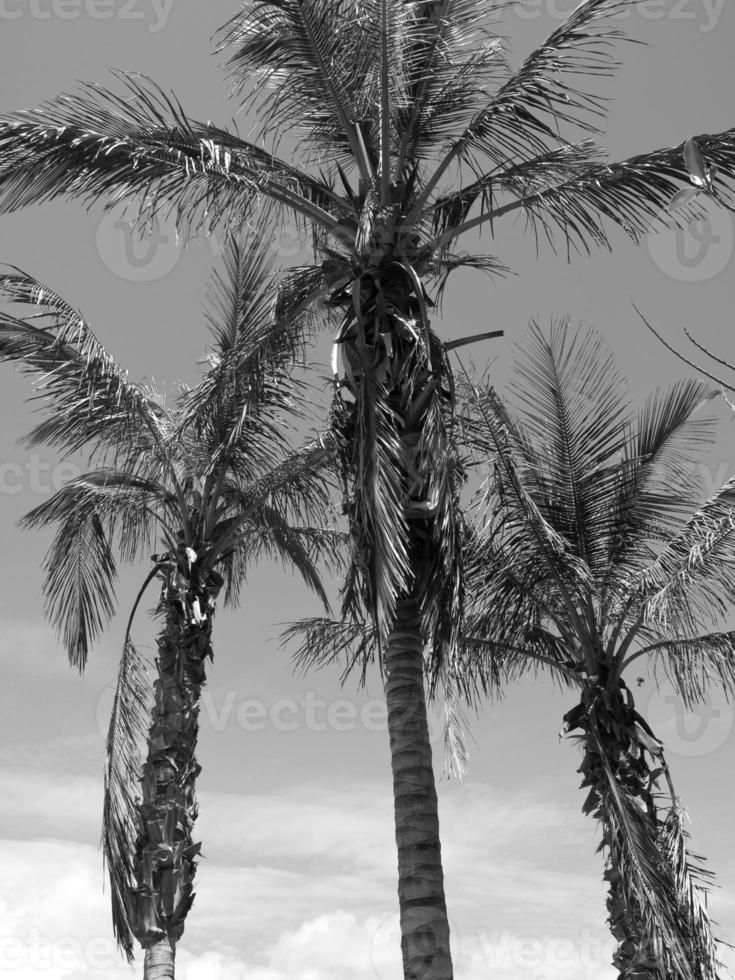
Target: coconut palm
406	129
595	553
214	479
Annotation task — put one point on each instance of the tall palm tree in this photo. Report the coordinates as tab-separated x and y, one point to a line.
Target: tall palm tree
215	480
391	107
594	553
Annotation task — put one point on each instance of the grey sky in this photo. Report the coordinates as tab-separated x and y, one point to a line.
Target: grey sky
298	880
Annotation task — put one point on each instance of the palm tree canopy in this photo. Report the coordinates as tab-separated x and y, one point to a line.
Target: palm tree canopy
595	547
215	471
392	104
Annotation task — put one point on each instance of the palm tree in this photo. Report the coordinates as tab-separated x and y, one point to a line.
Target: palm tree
215	480
390	106
594	553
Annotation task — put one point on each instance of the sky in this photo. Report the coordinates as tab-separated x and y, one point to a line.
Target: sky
298	877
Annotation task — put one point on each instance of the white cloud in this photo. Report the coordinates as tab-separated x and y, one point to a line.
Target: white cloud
299	884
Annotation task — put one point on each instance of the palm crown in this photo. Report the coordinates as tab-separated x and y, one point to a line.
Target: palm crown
595	552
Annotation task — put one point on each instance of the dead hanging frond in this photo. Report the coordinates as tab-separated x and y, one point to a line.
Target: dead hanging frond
120	820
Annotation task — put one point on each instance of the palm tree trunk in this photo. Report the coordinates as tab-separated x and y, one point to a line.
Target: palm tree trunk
424	923
397	387
622	795
165	852
160	960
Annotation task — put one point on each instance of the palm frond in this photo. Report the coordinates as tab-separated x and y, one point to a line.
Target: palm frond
381	567
321	641
79	582
521	119
496	440
128	726
574	413
539	95
694	664
311	63
87	398
676	588
140	148
129	507
656	483
541	172
632	194
271	535
439	586
691	884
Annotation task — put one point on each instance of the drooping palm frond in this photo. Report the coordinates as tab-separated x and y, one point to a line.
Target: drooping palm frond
440	585
127	729
286	513
321	641
130	508
691	883
79	581
270	534
88	399
657	883
140	147
694	665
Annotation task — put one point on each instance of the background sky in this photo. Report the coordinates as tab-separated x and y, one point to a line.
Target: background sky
298	876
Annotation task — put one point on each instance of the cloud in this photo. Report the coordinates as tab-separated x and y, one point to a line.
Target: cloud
299	884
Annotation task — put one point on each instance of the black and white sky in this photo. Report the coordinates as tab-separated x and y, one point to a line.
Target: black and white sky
298	880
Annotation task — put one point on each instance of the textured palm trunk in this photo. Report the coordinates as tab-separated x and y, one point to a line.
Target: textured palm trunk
160	961
165	851
617	745
424	923
395	387
613	748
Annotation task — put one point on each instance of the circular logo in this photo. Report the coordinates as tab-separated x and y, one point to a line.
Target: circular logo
696	251
385	947
699	731
138	255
